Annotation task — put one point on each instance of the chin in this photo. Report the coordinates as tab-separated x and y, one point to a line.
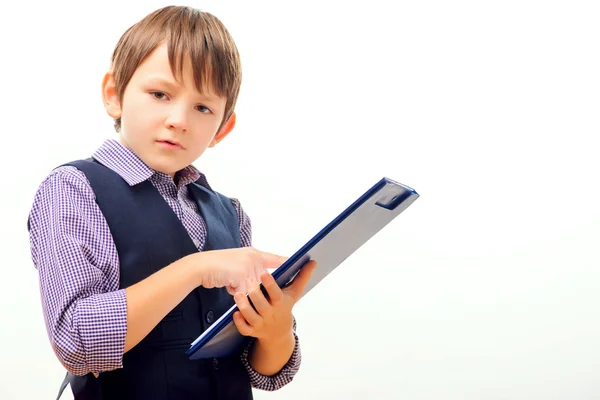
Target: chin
165	168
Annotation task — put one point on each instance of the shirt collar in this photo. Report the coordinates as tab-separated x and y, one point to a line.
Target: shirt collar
114	155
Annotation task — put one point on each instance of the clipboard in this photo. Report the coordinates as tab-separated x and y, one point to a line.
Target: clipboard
337	241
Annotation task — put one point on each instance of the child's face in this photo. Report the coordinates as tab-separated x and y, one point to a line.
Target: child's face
166	124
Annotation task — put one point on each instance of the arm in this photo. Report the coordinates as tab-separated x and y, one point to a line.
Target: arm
148	301
273	365
90	322
269	356
285	367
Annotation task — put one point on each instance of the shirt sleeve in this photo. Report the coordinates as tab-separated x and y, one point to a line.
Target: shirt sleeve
283	377
73	251
287	373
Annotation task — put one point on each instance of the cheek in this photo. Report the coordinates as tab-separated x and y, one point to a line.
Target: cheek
205	125
203	134
139	112
201	141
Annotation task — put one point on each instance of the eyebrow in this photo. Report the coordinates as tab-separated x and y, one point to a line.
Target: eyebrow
157	80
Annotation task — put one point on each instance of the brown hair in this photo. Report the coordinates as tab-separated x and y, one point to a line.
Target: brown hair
188	32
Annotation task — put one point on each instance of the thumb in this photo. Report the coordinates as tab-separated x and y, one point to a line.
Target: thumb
299	283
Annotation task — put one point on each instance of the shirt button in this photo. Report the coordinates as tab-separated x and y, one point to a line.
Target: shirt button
210	317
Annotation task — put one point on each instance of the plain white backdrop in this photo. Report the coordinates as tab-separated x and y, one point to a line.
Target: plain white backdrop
488	287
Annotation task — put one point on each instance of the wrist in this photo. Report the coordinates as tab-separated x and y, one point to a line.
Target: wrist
196	266
269	355
278	341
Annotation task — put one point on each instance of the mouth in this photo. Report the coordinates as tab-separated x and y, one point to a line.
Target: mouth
170	144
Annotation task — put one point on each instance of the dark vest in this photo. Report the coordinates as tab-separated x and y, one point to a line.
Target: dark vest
149	236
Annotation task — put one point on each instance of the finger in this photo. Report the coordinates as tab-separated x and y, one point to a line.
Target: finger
261	304
273	290
247	311
235	287
242	325
299	283
258	271
270	260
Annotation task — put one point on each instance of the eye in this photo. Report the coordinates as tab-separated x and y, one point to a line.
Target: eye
203	109
159	95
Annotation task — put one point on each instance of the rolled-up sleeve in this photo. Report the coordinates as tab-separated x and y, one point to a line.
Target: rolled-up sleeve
72	248
280	379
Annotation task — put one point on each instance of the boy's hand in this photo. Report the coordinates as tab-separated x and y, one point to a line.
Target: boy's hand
272	320
231	268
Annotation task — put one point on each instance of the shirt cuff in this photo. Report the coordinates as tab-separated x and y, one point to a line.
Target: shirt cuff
283	377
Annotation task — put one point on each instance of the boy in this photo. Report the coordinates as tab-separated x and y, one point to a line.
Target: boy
137	254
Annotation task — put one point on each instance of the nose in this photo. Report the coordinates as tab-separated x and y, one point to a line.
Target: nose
177	119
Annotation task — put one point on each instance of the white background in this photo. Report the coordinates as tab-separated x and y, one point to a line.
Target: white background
486	288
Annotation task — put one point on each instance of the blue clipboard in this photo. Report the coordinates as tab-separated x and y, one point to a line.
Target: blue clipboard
358	223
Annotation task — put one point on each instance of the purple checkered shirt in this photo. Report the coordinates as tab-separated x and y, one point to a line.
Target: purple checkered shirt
72	248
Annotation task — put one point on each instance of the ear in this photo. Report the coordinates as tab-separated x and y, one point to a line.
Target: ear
110	97
224	131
